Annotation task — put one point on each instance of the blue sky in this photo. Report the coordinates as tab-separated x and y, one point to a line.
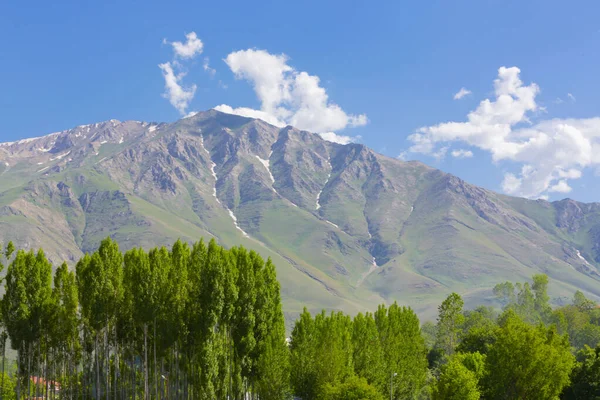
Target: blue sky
396	63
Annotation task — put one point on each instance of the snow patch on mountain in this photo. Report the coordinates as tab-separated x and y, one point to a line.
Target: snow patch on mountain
267	164
60	157
331	223
582	258
325	185
234	218
212	169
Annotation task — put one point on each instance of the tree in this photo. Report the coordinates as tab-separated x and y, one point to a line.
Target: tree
64	324
479	330
302	358
354	388
582	303
368	357
333	350
530	301
404	350
245	319
100	284
449	323
585	377
541	301
273	365
212	298
527	361
25	307
139	286
457	381
7	389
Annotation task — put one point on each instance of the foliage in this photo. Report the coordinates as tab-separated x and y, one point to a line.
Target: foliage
585	377
206	322
7	387
459	378
527	361
449	326
354	388
404	350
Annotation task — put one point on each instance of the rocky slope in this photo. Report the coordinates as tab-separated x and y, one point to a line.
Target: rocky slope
348	228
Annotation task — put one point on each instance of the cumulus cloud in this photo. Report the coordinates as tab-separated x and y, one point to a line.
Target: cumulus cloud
178	96
403	156
173	73
462	153
251	113
190	49
288	96
462	93
550	152
571	97
206	66
561	187
341	139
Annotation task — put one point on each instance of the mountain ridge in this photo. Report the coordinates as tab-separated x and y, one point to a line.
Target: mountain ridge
347	227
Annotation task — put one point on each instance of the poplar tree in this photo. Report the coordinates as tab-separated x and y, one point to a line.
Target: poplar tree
273	363
245	319
449	323
367	351
212	298
64	323
404	350
303	373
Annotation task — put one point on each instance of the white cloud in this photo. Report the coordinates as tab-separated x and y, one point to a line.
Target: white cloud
403	156
287	95
177	95
462	93
549	151
251	113
190	49
571	97
207	67
561	187
511	183
461	153
441	153
341	139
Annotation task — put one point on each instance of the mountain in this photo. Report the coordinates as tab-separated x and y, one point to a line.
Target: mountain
347	228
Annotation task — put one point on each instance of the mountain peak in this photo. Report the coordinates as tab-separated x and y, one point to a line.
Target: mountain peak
344	224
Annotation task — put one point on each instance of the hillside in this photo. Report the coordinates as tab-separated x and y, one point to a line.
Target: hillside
347	228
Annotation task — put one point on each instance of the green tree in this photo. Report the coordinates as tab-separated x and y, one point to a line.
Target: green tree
273	365
585	377
582	303
404	350
368	357
457	381
303	375
542	300
64	324
243	329
479	330
26	306
449	323
354	388
527	361
333	350
8	387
